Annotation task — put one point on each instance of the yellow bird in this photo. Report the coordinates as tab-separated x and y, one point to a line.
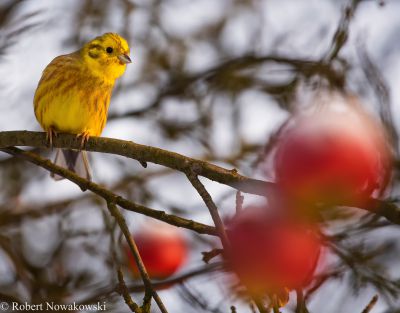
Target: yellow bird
74	94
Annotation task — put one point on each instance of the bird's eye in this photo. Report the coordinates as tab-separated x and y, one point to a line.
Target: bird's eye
109	50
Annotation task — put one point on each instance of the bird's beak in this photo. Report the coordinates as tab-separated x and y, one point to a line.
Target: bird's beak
124	58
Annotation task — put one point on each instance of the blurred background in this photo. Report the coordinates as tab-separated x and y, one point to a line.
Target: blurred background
213	80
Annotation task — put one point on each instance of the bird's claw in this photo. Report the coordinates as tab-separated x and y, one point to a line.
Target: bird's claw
50	134
84	139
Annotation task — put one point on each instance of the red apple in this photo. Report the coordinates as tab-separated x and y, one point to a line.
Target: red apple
162	249
269	253
334	157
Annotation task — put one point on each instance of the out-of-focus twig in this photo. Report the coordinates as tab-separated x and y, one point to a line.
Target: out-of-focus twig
181	278
204	270
207	256
196	298
371	304
322	278
180	83
377	81
239	202
301	303
342	32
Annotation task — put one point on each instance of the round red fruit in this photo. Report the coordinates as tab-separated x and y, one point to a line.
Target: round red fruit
334	157
162	248
270	253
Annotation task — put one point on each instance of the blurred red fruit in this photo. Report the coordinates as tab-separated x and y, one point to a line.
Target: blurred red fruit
162	248
334	157
272	253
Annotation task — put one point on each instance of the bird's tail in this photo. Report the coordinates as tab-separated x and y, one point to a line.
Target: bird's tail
75	161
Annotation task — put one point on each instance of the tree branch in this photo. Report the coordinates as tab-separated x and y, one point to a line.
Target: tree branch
219	225
342	32
204	194
123	290
140	153
110	196
166	158
301	304
149	290
181	278
371	304
158	285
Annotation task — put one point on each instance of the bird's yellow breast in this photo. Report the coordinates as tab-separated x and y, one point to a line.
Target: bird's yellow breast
69	98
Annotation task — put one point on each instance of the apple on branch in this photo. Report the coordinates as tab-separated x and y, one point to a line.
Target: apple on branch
270	253
337	155
162	248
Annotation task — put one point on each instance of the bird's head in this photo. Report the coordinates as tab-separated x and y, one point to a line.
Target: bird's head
107	56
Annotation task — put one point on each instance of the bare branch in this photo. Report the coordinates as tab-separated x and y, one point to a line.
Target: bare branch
301	304
110	196
371	304
342	32
166	158
207	256
149	290
239	202
141	153
194	180
157	285
382	92
180	279
123	290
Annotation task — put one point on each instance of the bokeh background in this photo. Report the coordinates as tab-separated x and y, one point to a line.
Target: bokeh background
211	79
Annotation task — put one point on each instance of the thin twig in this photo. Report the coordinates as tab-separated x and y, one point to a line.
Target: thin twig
202	191
219	225
181	278
322	278
195	297
371	304
135	252
382	92
239	201
207	256
123	290
157	285
301	303
342	32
